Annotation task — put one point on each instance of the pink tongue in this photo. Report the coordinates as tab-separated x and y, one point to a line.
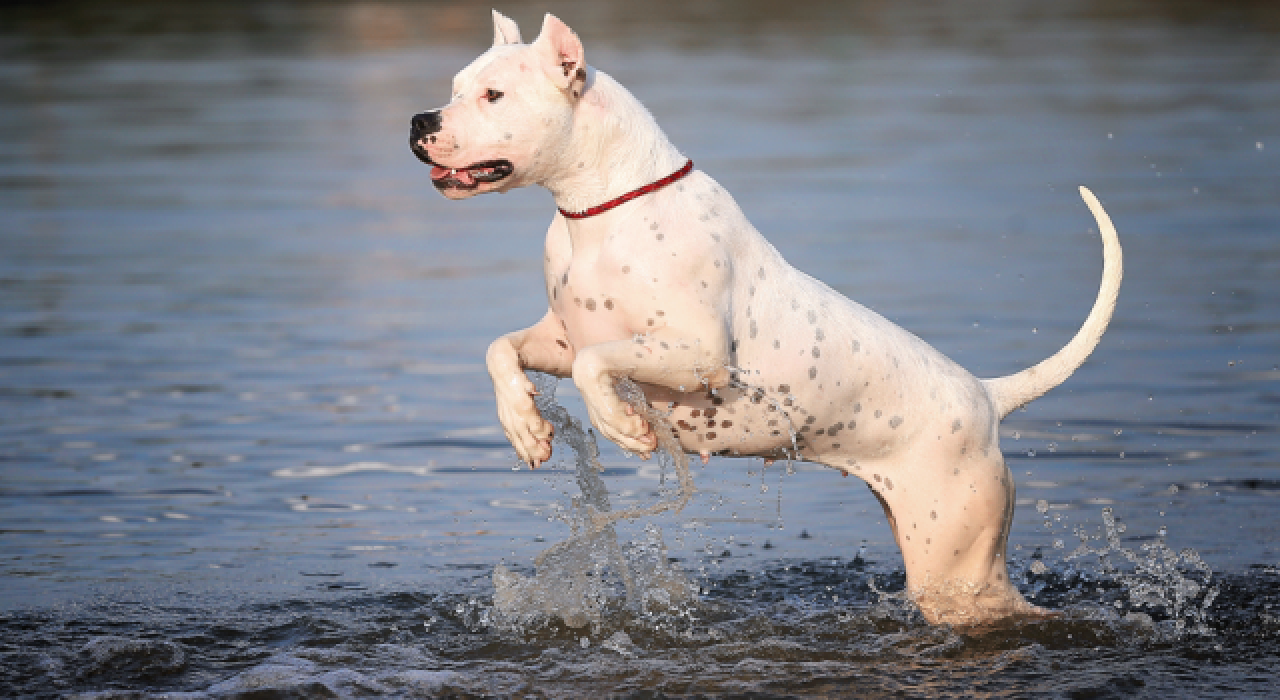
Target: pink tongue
463	176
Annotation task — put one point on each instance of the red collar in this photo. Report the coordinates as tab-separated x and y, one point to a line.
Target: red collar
638	192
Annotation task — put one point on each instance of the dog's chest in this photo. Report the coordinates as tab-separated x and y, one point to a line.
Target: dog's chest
592	308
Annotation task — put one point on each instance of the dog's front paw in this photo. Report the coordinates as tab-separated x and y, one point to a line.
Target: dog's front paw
527	431
617	420
628	430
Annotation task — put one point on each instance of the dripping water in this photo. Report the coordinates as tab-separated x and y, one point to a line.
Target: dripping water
574	578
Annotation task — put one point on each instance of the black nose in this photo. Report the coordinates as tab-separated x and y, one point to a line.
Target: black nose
425	123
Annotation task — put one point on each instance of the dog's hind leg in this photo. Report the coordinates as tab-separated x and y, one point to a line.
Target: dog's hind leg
951	521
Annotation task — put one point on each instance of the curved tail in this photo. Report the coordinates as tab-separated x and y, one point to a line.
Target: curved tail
1011	392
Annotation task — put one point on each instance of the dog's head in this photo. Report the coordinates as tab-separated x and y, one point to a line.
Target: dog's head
510	113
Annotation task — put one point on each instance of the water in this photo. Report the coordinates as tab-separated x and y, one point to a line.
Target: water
247	444
572	582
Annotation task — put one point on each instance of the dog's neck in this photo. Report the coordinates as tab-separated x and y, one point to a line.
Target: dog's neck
616	147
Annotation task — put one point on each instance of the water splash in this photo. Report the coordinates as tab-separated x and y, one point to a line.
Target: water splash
1176	585
575	579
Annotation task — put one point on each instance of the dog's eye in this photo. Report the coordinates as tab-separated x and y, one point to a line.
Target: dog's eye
492	95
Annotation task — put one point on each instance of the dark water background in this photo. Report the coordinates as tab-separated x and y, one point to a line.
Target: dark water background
246	440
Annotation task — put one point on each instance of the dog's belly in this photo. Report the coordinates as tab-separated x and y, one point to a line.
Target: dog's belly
728	422
824	377
842	429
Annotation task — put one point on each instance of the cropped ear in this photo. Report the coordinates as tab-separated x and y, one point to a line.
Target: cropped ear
505	31
562	56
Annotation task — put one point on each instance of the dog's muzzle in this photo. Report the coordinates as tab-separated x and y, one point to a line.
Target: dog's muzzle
421	128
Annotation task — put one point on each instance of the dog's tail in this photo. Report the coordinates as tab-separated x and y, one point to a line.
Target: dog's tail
1011	392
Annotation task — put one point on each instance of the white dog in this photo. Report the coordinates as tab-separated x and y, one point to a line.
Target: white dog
653	273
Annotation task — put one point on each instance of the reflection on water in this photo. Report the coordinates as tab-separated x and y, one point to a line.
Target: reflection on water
246	437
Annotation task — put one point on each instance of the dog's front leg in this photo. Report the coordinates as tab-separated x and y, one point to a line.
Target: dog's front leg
542	347
657	359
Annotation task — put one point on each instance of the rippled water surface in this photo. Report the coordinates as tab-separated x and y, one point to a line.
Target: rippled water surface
247	445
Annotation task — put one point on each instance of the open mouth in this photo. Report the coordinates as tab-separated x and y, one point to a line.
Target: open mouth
471	176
